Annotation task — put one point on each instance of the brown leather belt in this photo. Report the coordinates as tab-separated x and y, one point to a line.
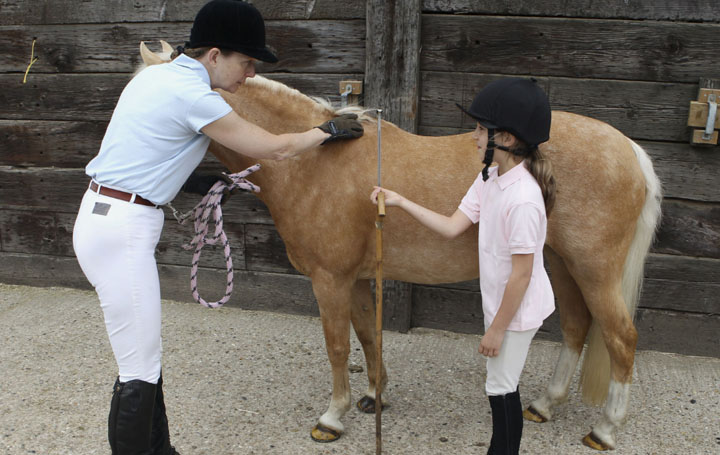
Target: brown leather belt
122	195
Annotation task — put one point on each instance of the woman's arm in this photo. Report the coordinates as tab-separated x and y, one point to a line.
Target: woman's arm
246	138
522	265
447	226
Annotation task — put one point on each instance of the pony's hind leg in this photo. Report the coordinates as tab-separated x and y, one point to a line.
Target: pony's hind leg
575	321
334	297
607	305
363	320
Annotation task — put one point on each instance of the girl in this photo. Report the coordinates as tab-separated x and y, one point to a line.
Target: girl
509	202
158	134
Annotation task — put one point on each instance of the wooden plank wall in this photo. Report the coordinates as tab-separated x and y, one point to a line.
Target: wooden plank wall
635	65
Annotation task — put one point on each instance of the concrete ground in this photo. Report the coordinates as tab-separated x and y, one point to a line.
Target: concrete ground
245	382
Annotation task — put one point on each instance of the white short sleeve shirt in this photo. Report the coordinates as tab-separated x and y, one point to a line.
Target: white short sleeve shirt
153	141
510	213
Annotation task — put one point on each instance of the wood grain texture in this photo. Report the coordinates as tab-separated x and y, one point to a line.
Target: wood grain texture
326	46
703	10
597	49
101	11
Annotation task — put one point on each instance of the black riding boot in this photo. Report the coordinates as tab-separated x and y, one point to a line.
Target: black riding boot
507	424
130	420
160	434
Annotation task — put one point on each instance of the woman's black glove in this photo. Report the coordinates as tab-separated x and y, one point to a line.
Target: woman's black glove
345	126
200	184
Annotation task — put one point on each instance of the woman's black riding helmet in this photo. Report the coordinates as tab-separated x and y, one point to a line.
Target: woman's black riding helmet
516	105
232	25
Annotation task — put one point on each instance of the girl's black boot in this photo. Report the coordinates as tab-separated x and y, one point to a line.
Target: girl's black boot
507	424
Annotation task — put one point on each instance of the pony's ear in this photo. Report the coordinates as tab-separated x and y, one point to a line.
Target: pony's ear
148	56
167	48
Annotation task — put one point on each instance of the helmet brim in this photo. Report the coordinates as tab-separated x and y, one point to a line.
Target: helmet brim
484	122
263	54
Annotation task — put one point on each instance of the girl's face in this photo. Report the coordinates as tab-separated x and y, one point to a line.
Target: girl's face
481	137
230	71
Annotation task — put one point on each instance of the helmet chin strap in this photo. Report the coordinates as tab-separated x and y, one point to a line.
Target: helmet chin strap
489	152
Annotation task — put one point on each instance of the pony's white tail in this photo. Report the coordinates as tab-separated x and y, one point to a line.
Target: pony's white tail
595	377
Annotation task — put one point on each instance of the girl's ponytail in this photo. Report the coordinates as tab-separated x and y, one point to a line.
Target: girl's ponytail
541	169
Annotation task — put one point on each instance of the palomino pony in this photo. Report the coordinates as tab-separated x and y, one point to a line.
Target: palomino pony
599	233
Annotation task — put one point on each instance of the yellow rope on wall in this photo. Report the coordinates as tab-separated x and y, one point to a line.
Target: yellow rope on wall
33	59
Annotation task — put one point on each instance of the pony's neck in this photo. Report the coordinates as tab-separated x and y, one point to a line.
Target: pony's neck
276	107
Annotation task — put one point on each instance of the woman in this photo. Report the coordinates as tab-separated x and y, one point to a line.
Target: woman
158	134
510	203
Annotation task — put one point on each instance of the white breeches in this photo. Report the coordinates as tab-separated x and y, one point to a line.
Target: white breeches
503	371
115	243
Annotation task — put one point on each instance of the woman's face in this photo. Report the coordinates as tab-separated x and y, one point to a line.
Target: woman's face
230	70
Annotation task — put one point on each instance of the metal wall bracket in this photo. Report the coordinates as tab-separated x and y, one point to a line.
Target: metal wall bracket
350	92
703	114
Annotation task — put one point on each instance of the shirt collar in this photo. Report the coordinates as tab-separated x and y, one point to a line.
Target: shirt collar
511	176
190	63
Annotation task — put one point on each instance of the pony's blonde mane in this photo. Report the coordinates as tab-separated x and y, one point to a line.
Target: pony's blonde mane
294	96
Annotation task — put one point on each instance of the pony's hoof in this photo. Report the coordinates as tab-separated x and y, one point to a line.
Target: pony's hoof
324	434
367	405
592	441
533	415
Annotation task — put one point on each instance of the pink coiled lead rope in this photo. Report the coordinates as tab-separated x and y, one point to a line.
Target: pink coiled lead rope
210	206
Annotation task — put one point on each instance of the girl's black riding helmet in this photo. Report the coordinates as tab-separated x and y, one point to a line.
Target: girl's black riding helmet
231	25
516	105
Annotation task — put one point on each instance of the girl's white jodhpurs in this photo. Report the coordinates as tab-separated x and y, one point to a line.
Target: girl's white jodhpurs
503	371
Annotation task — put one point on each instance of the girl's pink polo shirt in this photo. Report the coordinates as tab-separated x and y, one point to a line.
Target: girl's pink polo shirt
510	213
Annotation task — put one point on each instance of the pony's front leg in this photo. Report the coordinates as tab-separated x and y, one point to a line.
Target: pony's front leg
363	320
334	300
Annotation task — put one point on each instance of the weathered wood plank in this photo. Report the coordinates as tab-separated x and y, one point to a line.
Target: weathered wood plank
265	250
252	290
682	268
689	334
392	77
704	10
641	110
397	304
49	143
50	233
16	12
686	172
689	228
636	50
392	82
61	190
92	97
302	46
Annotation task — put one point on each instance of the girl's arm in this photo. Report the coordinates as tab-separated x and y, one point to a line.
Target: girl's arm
517	284
447	226
246	138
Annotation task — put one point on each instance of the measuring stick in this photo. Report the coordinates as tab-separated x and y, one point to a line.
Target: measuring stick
378	292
